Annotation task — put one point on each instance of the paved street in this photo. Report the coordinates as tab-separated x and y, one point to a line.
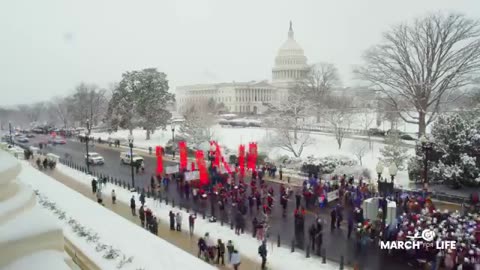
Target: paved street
336	243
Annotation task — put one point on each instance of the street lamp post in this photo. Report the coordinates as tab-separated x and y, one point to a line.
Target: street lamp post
426	147
87	138
130	144
11	138
173	140
392	169
379	170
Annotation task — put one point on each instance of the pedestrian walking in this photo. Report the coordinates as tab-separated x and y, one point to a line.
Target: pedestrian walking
235	259
350	225
312	232
172	220
230	250
99	196
254	226
298	198
220	252
202	247
132	205
191	223
114	196
141	215
94	186
155	226
142	198
262	251
333	219
178	219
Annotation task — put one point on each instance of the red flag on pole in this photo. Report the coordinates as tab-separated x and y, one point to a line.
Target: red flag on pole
159	154
201	167
241	159
182	146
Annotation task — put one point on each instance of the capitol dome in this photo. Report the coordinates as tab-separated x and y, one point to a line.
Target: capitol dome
290	63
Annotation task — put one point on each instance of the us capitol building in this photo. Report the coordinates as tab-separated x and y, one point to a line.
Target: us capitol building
249	97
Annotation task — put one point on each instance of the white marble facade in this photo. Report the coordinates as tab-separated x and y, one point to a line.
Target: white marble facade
290	65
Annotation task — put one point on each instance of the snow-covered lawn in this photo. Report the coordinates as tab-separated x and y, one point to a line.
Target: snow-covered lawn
230	137
278	258
148	252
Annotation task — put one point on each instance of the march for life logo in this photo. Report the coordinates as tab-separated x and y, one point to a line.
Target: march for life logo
417	241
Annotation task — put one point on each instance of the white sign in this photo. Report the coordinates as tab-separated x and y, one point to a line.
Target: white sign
172	169
333	195
189	176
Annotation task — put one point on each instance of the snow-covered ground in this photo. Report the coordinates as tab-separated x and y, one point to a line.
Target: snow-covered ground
148	252
279	258
231	137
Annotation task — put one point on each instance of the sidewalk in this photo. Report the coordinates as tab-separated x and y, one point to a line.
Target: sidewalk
180	239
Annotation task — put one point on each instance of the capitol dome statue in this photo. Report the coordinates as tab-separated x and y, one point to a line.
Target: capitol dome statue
290	63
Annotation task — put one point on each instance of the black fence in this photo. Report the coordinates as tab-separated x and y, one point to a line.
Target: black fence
201	207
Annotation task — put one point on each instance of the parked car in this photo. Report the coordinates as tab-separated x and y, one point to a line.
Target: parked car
30	135
376	132
126	157
94	158
23	139
393	131
58	140
407	137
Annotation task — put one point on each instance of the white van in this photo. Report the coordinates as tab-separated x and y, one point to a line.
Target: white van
125	158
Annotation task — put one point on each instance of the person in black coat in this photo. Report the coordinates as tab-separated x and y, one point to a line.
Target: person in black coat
94	185
141	215
319	240
298	198
333	219
132	205
172	220
312	232
262	251
142	198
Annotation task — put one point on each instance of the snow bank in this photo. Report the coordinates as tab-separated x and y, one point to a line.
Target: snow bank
148	252
279	258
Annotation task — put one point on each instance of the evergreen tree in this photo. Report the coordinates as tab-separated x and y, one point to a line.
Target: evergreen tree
456	141
140	99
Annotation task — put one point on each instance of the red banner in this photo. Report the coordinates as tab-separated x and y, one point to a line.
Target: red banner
159	154
201	167
182	146
241	159
254	154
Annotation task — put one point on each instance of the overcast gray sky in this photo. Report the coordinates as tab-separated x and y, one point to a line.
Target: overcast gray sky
47	46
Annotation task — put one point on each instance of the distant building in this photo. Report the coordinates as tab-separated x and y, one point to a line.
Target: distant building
250	97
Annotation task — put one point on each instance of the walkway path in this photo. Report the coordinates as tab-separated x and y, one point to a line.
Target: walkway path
180	239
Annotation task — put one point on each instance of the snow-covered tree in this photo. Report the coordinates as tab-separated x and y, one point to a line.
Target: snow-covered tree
456	148
339	116
359	149
198	125
140	99
88	102
394	151
287	120
152	98
317	85
422	65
